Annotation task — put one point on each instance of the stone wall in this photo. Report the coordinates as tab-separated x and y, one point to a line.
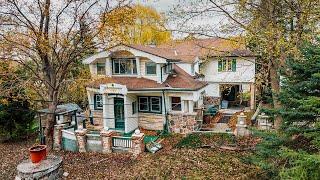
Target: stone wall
210	100
151	121
183	122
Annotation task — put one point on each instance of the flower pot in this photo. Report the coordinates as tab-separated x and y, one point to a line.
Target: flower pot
38	153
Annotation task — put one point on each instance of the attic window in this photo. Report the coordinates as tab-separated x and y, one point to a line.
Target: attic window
151	68
227	65
101	68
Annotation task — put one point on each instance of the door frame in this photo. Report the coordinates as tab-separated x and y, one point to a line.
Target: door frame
123	112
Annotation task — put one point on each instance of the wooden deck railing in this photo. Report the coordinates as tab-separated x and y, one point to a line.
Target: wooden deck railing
121	142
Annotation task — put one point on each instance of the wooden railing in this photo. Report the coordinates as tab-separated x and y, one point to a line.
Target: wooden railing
121	142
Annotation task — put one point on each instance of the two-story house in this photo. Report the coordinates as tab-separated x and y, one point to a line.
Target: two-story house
147	86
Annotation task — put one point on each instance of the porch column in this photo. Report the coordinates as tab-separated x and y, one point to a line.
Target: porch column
106	140
125	113
57	137
137	143
191	103
252	96
90	99
81	139
138	67
104	110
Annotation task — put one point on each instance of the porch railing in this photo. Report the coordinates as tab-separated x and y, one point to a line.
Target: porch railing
121	142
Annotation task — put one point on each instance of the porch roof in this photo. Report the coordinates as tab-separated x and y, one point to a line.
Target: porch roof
178	80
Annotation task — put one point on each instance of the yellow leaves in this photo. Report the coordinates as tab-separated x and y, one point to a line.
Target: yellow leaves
134	25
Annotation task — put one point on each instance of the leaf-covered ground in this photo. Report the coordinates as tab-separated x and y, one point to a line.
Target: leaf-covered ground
169	163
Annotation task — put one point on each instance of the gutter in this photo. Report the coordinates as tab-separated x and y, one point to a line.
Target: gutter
166	125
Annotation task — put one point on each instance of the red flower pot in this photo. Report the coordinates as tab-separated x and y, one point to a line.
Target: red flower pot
38	153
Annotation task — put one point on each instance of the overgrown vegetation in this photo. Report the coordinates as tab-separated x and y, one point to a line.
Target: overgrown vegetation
294	152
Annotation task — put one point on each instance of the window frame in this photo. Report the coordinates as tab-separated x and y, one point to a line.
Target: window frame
149	104
175	103
123	61
145	97
95	102
227	65
99	65
148	64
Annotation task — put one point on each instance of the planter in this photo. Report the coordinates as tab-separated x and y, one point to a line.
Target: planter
38	153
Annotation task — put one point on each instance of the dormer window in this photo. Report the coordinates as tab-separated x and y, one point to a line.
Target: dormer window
124	66
168	68
227	65
101	69
151	68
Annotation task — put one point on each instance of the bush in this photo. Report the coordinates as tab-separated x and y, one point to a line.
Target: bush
16	118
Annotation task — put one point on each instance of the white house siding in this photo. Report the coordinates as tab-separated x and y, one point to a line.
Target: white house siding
245	72
110	113
131	122
186	67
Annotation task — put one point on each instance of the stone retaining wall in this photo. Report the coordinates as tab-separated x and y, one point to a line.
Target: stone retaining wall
151	121
183	122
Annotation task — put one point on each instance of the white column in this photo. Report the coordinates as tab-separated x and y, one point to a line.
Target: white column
252	96
105	109
90	100
108	67
125	113
191	103
159	73
138	66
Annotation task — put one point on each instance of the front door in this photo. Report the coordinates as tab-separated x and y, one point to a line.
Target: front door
119	113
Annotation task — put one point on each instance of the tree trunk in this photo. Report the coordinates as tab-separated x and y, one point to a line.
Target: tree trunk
51	119
275	87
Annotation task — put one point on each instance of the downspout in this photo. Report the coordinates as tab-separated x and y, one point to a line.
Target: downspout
165	128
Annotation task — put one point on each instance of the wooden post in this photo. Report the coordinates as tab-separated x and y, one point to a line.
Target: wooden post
252	96
57	139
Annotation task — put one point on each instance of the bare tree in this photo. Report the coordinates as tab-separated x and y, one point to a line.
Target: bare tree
48	38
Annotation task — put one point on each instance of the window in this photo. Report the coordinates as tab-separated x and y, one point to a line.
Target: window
155	103
151	68
150	104
101	68
143	104
225	65
192	68
134	107
176	103
98	102
124	66
168	68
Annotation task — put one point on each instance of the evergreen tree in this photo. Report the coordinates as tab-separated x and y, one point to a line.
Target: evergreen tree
294	152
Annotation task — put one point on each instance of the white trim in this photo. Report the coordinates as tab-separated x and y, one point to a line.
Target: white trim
135	52
159	98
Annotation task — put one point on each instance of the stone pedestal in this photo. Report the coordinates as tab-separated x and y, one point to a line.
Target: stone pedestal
241	127
106	140
81	139
137	143
263	122
57	138
50	168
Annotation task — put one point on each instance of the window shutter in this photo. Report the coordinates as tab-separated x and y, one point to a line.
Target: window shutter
220	65
234	65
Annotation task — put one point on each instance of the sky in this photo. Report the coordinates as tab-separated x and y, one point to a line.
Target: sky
164	6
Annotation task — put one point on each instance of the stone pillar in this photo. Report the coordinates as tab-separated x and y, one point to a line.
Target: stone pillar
81	139
57	138
252	96
241	127
263	122
137	143
106	140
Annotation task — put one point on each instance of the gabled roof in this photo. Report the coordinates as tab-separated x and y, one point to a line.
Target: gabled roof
178	80
186	51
